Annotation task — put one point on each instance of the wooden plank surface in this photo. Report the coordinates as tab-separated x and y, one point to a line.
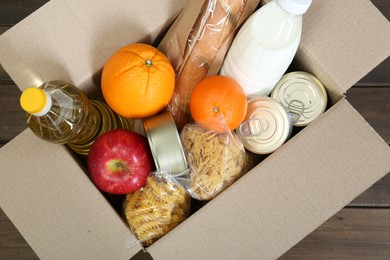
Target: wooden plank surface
359	231
350	234
12	117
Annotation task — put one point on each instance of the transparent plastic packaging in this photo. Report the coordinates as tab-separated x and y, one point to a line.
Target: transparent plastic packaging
156	208
70	112
215	23
65	115
215	160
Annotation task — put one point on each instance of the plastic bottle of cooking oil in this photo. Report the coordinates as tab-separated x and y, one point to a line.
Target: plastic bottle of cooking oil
265	46
61	113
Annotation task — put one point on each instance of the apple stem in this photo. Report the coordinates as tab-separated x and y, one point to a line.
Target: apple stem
121	166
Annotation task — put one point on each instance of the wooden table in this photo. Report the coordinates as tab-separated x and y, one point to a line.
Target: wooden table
359	231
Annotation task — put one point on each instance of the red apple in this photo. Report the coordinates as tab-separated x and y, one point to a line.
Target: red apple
120	161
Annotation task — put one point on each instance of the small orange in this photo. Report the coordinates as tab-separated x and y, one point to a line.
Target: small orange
218	103
138	81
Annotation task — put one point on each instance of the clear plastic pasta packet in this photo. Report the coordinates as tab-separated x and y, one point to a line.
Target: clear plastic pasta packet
156	208
215	160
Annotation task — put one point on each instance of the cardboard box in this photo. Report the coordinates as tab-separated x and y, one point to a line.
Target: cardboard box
46	193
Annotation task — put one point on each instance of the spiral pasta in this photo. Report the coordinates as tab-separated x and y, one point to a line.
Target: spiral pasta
156	209
215	160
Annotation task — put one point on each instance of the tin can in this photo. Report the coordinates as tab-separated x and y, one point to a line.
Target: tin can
303	95
266	127
165	144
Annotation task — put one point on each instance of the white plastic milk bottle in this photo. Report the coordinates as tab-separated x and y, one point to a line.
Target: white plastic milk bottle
265	46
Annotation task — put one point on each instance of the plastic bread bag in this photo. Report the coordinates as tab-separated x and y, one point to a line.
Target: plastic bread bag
215	160
197	43
156	208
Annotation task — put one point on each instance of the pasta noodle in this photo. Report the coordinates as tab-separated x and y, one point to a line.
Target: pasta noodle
156	209
215	160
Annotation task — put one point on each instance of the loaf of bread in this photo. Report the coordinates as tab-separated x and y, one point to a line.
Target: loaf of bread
216	22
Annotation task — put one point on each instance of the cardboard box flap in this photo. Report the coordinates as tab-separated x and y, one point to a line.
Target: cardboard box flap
341	43
292	192
71	40
56	207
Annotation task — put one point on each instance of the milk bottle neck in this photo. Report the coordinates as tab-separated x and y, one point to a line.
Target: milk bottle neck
294	7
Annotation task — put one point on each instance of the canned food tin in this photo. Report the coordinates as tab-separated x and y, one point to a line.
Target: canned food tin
303	95
165	144
266	127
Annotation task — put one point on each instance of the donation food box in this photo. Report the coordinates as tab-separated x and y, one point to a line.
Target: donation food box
47	194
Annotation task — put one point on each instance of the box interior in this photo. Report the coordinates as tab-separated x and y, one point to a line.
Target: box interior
270	211
286	196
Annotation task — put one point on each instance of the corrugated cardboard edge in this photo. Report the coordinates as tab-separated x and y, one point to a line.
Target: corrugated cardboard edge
288	195
71	40
347	40
174	44
52	202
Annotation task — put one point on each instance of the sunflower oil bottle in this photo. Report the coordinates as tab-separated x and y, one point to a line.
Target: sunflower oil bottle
60	113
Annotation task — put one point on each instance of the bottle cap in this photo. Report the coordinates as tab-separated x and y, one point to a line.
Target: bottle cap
35	101
297	7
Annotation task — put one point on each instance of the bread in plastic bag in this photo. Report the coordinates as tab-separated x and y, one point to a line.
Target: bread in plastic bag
197	43
215	160
156	208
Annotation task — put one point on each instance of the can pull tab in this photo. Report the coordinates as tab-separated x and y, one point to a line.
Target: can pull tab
251	127
296	109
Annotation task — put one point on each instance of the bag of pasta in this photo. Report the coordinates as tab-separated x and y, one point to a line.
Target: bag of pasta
156	208
215	160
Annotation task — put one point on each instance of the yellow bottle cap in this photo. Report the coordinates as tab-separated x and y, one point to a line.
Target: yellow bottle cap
34	100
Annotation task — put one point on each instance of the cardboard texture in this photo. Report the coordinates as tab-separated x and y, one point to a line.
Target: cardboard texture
56	207
342	41
72	40
46	192
288	195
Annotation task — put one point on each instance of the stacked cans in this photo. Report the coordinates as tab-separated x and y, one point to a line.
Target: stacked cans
297	100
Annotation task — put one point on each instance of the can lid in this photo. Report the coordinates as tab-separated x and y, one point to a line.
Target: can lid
35	101
165	144
303	95
266	127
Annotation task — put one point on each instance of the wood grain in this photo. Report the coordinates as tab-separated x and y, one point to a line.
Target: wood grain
350	234
12	244
12	11
359	231
373	103
380	76
12	117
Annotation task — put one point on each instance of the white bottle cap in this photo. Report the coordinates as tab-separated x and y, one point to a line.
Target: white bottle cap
297	7
47	105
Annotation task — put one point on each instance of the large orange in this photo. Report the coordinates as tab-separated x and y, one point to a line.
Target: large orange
138	81
218	103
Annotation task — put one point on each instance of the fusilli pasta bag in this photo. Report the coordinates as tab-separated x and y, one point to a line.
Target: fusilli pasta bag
156	209
215	160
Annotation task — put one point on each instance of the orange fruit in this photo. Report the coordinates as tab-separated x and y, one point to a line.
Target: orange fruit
218	103
138	81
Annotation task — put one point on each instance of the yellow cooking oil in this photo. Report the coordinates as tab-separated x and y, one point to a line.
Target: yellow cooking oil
61	113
